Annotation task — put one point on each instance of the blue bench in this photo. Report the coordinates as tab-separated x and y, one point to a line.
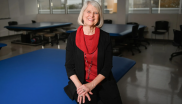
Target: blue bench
39	77
2	45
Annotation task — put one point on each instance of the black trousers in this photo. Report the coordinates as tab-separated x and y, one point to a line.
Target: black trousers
101	96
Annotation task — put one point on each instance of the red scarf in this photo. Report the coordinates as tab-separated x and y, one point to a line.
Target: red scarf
80	40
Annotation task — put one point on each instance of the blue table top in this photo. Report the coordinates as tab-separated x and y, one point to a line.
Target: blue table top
37	26
39	77
116	29
3	45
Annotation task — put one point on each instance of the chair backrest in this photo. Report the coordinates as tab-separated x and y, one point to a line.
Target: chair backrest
108	21
161	25
181	27
132	23
33	21
177	37
10	23
141	32
135	31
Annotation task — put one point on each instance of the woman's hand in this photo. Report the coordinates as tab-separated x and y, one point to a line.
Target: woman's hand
83	91
85	88
82	98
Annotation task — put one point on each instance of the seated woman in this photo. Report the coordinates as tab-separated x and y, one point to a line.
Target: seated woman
89	60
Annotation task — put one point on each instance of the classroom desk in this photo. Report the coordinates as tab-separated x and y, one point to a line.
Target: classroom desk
35	27
38	26
2	45
39	77
115	29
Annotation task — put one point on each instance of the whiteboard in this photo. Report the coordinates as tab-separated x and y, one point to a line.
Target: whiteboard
4	9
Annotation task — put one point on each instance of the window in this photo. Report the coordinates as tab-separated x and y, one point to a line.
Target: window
110	6
74	6
139	6
156	6
44	7
165	6
58	6
99	1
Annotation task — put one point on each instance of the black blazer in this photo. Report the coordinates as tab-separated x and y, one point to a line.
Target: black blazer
75	63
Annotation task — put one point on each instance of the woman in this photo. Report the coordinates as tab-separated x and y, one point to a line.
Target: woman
89	60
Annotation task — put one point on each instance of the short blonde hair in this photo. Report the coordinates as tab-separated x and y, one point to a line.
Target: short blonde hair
97	6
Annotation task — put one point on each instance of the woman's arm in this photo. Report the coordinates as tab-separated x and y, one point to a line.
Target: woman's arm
70	62
88	87
97	80
76	81
70	66
105	71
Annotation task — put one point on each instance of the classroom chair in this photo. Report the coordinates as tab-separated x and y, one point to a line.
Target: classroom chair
161	28
177	41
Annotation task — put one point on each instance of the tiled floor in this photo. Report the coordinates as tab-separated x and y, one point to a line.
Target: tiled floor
153	80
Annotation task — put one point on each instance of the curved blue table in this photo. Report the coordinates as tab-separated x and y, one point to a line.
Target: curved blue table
39	77
116	29
35	27
2	45
38	26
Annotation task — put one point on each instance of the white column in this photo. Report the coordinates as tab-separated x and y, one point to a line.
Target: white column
122	11
180	5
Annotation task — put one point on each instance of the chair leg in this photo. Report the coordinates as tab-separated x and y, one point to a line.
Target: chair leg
168	35
49	39
132	51
138	50
52	43
129	48
175	54
147	42
143	46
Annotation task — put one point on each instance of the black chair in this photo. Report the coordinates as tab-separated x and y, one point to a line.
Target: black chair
11	23
140	34
161	28
108	21
132	40
33	21
129	42
177	41
141	38
181	27
135	42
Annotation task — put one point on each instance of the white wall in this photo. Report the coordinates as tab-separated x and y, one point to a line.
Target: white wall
4	10
22	11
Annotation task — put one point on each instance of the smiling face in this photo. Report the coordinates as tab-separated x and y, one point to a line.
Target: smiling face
90	16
